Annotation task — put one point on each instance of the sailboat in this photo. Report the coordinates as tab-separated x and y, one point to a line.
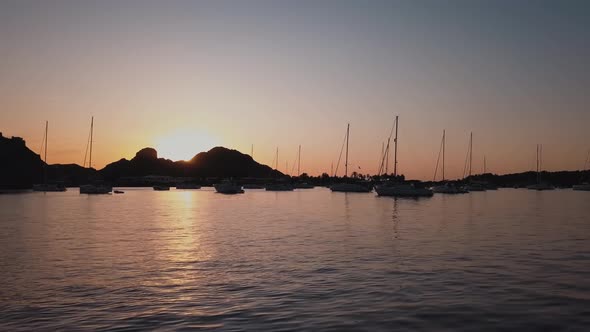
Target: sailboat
395	188
472	185
446	187
584	186
279	185
350	186
540	185
301	185
45	187
94	188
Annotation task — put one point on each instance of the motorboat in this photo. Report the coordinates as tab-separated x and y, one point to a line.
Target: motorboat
161	188
228	187
188	186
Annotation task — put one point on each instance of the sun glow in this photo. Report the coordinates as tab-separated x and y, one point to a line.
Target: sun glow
185	144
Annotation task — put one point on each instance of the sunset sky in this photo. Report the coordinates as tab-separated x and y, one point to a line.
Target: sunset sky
184	76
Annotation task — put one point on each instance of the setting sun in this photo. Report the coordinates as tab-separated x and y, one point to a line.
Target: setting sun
185	144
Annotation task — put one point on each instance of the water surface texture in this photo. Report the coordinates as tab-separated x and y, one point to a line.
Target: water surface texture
304	260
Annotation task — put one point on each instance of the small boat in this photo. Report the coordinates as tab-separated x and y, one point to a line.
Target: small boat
47	187
188	186
228	187
304	185
161	188
402	190
253	186
95	189
540	186
448	188
582	187
351	187
280	186
119	192
474	187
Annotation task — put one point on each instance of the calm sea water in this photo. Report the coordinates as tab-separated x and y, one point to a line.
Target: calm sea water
304	260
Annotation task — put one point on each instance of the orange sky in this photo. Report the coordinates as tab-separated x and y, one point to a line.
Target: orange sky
188	76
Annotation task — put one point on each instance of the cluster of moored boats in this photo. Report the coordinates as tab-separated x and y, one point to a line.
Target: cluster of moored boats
393	187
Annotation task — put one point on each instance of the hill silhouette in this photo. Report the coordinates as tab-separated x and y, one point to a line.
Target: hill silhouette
217	162
19	166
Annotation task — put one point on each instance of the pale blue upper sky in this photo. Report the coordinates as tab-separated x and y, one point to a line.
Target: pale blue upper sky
285	73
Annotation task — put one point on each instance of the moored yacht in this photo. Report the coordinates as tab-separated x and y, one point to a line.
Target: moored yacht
393	187
46	187
540	185
356	187
445	187
93	188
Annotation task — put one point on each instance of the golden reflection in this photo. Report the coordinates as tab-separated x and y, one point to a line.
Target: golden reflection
181	250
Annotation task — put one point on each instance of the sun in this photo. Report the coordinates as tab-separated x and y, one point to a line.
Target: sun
184	144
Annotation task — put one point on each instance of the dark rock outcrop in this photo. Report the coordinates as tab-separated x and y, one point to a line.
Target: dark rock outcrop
19	166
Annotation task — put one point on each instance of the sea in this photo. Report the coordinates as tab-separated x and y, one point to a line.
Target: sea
307	260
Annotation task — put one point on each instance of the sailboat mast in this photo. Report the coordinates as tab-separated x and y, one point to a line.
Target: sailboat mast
277	157
470	152
346	163
443	157
46	130
387	157
395	149
91	133
537	163
45	157
299	162
383	156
